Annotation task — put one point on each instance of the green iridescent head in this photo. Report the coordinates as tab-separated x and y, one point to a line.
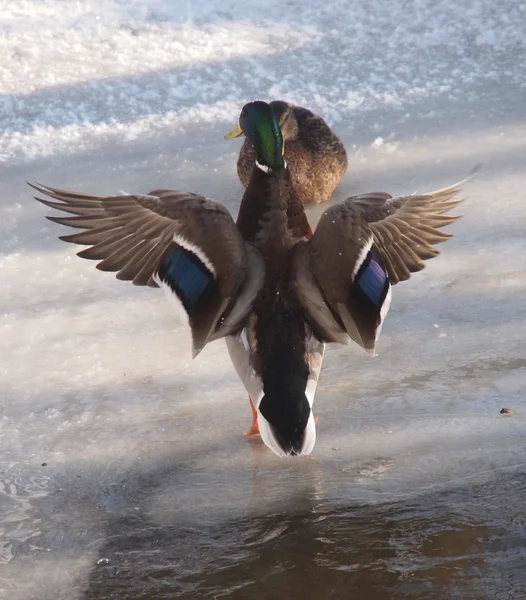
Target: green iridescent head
259	123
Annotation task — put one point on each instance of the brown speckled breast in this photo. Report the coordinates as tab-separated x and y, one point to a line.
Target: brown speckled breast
316	159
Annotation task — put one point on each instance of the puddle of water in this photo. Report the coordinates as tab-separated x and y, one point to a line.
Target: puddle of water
462	543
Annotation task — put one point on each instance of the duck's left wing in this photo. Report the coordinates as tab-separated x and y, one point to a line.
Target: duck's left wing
360	247
185	243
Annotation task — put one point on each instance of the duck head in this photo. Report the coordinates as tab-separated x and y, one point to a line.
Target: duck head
259	123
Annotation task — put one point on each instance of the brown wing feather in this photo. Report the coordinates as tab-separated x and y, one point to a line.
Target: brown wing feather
329	284
115	224
359	248
133	234
405	228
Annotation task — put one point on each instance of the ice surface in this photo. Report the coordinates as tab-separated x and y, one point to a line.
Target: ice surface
96	376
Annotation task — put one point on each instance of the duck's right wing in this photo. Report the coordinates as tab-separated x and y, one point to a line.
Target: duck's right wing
359	249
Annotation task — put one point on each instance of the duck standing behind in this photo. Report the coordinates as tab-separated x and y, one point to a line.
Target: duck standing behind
315	155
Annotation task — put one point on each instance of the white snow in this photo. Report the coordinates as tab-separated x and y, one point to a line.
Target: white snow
96	376
91	72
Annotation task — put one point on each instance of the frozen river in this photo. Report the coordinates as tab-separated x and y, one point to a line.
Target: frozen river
123	471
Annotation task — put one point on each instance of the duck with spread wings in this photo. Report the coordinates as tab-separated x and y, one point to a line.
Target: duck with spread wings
277	292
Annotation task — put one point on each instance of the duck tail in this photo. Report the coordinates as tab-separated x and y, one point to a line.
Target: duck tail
285	419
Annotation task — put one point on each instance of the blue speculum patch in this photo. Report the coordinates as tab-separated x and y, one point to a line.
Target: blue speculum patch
186	274
372	279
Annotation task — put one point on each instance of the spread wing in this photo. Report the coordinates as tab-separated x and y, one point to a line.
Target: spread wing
187	244
360	248
405	228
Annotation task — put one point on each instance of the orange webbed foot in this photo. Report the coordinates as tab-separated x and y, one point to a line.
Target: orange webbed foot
254	427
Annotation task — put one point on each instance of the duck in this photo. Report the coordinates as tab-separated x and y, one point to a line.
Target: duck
316	156
273	288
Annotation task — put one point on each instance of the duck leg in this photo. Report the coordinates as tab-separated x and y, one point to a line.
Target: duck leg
254	428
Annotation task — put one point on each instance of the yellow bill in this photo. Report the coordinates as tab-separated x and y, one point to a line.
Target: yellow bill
234	133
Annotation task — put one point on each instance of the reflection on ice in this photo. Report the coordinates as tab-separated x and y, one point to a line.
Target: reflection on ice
430	545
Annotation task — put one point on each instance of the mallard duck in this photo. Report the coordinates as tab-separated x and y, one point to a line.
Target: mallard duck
276	292
316	157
